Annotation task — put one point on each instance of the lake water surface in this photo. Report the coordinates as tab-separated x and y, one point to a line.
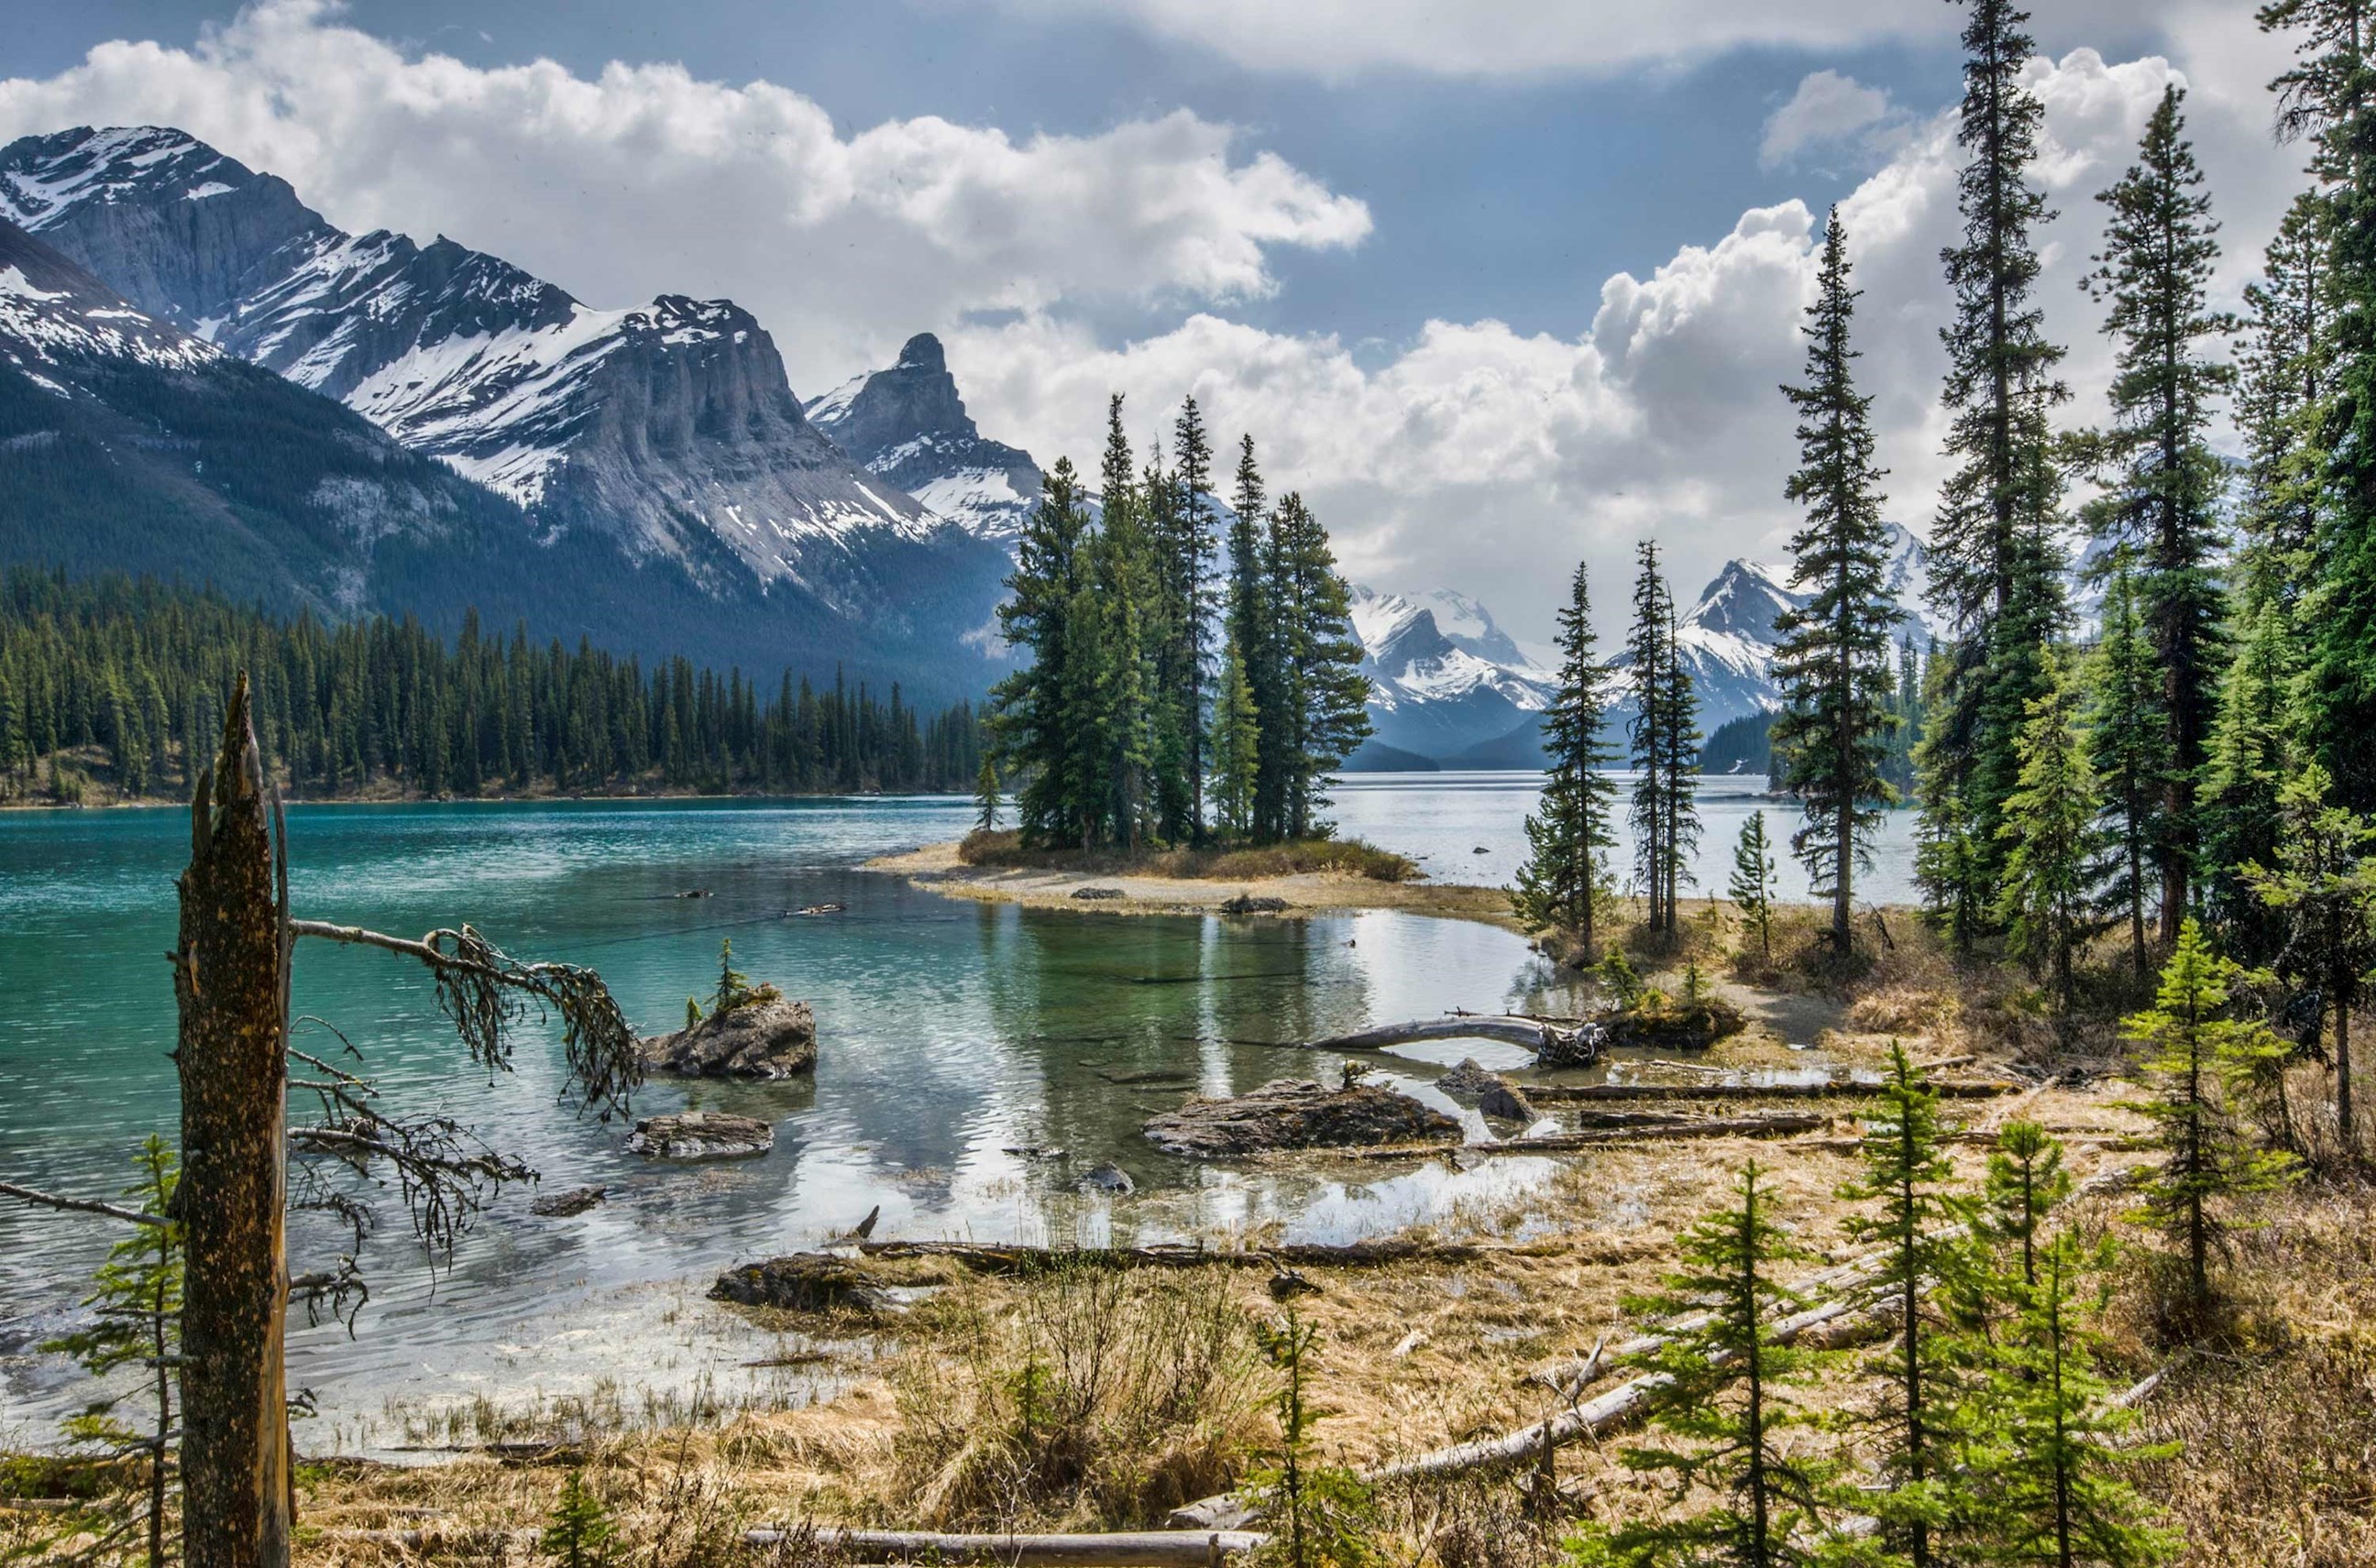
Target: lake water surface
953	1035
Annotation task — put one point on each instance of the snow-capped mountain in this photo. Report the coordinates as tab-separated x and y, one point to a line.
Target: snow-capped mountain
127	445
1451	684
668	429
909	424
1728	636
1443	676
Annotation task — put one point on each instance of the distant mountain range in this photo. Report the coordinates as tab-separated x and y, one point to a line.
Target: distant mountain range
666	435
441	429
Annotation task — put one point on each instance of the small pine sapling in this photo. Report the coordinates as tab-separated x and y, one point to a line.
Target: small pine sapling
579	1532
138	1294
2195	1058
1753	883
1323	1517
2042	1449
1724	1395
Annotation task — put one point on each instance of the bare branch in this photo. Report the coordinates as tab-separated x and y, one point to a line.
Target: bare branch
485	990
80	1206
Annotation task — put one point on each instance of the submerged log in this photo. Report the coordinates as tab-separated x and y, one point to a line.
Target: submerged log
1136	1549
1826	1088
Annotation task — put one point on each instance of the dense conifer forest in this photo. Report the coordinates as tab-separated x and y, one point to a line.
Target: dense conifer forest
105	683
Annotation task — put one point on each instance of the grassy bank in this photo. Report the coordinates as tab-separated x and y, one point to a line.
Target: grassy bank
1347	857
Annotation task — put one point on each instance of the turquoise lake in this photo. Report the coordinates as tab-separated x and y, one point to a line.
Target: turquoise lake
952	1034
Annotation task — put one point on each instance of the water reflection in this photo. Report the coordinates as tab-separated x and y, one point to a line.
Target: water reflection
952	1033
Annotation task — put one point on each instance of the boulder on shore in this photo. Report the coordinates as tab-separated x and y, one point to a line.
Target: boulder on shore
700	1135
1289	1113
1468	1080
771	1039
799	1282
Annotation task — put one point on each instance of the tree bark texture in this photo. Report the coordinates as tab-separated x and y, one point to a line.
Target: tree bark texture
231	972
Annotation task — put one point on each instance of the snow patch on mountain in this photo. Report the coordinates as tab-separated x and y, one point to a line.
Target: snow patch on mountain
908	423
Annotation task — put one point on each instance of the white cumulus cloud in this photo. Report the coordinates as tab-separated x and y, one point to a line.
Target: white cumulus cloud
643	178
1487	460
1829	112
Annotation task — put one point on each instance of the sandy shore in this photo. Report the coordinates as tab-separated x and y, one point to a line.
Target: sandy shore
935	867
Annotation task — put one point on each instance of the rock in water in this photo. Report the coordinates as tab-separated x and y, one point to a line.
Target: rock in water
1252	904
1109	1178
1505	1102
700	1135
1494	1095
760	1039
578	1200
1287	1113
801	1282
1467	1080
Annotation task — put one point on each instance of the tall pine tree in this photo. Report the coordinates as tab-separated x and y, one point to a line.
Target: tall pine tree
1995	564
2053	864
1571	831
2128	746
1832	663
2164	485
1648	658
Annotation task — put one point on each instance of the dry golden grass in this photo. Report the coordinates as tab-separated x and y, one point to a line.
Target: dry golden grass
1219	863
1081	1400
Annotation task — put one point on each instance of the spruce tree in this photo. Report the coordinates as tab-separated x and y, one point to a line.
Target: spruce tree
1833	662
2323	888
1649	660
1571	831
2053	866
1752	889
1236	747
2154	274
1995	566
1250	623
2197	1059
579	1532
1678	771
2325	98
2043	1447
1162	507
2255	742
2025	1179
2128	749
1044	712
1126	574
1189	592
1727	1395
2287	370
986	796
1326	708
1905	1178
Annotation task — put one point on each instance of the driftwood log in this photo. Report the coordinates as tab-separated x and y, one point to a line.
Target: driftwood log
1826	1088
1151	1548
1000	1257
1572	1043
1137	1548
1777	1125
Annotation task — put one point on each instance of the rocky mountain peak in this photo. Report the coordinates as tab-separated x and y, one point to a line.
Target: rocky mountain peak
908	423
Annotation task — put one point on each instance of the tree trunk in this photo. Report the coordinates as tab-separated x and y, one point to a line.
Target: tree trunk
229	978
2343	1067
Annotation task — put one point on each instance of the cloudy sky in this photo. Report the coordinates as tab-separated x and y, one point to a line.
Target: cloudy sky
1497	283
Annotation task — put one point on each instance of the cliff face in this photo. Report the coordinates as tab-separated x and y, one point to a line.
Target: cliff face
909	424
666	432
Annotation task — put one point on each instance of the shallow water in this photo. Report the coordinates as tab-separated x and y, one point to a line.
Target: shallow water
953	1035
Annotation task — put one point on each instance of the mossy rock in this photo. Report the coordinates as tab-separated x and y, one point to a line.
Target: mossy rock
1658	1023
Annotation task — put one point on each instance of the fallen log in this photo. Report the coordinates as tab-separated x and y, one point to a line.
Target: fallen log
1544	1038
1139	1548
1775	1126
1826	1088
1002	1257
